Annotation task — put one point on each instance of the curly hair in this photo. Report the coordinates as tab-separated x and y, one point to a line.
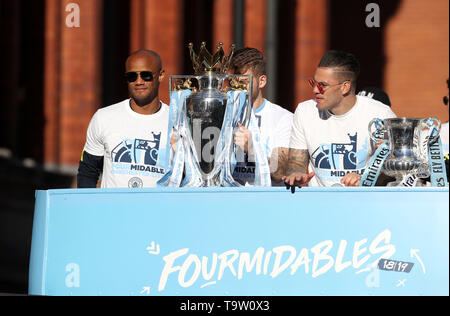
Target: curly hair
248	58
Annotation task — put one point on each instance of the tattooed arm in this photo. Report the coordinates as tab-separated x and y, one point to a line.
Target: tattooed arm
278	164
297	168
298	161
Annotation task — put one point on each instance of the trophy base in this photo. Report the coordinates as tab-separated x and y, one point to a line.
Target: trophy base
396	184
210	183
215	182
401	179
210	180
401	168
395	166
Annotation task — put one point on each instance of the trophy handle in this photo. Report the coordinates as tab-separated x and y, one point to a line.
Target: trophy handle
249	108
430	123
247	113
379	129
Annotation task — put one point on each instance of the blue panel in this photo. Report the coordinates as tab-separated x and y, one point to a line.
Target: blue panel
39	244
241	241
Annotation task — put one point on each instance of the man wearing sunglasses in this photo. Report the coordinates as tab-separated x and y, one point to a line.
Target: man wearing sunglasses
330	135
125	141
274	122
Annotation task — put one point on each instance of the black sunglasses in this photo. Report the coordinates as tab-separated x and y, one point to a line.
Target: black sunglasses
145	75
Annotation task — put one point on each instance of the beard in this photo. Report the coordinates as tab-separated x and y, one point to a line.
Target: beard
142	101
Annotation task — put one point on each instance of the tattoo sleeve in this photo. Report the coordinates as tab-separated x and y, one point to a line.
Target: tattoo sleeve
278	163
298	161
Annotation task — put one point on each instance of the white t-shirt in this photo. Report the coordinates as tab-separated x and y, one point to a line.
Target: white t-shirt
132	145
337	145
444	138
275	124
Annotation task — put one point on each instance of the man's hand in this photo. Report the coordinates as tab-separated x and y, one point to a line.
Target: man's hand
173	140
379	143
351	180
297	179
297	169
243	139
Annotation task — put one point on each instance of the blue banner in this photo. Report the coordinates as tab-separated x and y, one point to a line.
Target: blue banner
241	242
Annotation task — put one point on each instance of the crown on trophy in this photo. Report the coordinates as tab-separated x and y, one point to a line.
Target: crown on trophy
206	62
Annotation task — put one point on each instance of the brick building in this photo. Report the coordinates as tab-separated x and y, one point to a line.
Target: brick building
56	74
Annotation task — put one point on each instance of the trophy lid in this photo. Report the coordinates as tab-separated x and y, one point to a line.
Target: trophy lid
205	62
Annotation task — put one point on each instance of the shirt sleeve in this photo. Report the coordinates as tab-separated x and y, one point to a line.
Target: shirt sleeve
297	135
94	140
91	162
388	113
89	170
284	130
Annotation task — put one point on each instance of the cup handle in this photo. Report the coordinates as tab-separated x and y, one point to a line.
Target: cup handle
435	131
379	128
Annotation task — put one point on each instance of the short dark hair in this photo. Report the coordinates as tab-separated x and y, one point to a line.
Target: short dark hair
147	52
344	61
248	58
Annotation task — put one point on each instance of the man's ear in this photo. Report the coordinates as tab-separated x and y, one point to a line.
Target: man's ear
346	87
262	81
161	75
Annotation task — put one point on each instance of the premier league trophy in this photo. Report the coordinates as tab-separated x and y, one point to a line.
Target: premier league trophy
408	142
205	110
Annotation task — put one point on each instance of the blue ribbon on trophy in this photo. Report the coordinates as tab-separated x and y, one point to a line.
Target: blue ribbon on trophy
204	119
174	162
413	150
372	172
262	168
438	172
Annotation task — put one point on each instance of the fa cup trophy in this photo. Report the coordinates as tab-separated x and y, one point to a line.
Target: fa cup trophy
205	109
408	141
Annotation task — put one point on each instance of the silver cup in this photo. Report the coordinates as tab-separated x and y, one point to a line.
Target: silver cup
205	111
408	140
